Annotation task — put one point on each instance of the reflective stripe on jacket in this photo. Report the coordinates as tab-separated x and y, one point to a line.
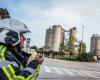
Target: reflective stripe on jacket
10	70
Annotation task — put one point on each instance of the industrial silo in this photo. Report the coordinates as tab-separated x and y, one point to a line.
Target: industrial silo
95	45
92	44
48	39
56	37
73	32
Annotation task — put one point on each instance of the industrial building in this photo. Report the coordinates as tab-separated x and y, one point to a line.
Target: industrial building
95	45
73	32
48	39
54	37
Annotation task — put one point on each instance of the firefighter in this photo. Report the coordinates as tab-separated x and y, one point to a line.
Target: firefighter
13	61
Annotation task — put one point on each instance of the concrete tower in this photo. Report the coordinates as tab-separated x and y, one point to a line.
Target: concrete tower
73	32
48	39
54	37
57	37
95	45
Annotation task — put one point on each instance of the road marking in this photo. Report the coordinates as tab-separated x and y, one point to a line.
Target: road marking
68	72
57	70
71	72
88	73
98	73
47	69
78	73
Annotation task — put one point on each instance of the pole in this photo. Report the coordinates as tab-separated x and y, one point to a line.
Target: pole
82	39
82	32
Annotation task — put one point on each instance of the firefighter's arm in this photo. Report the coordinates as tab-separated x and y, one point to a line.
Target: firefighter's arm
10	71
31	71
26	73
35	62
33	67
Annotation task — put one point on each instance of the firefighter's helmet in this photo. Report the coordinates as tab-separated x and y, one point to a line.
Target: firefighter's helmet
10	30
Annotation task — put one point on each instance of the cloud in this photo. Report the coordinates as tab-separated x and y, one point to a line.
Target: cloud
39	15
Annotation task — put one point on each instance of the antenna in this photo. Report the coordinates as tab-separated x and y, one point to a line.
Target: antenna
82	31
82	39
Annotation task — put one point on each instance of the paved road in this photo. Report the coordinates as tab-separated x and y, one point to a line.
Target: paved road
53	69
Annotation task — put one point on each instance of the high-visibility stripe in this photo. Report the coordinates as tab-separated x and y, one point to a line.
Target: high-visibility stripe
2	54
1	49
15	76
6	73
8	70
38	69
30	77
11	69
0	46
21	66
19	77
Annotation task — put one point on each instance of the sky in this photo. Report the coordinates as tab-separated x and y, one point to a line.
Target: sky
39	15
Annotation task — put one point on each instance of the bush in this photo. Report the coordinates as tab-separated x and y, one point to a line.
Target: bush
86	57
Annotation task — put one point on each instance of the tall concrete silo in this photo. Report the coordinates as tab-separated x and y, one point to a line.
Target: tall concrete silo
56	37
95	45
73	32
92	44
73	41
48	39
62	36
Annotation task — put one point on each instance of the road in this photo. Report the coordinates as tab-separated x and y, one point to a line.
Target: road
53	69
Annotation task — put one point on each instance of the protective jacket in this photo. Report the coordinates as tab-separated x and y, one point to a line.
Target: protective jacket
13	65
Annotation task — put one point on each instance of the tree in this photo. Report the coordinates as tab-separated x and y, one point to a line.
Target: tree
62	47
86	57
34	47
82	47
71	45
40	49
